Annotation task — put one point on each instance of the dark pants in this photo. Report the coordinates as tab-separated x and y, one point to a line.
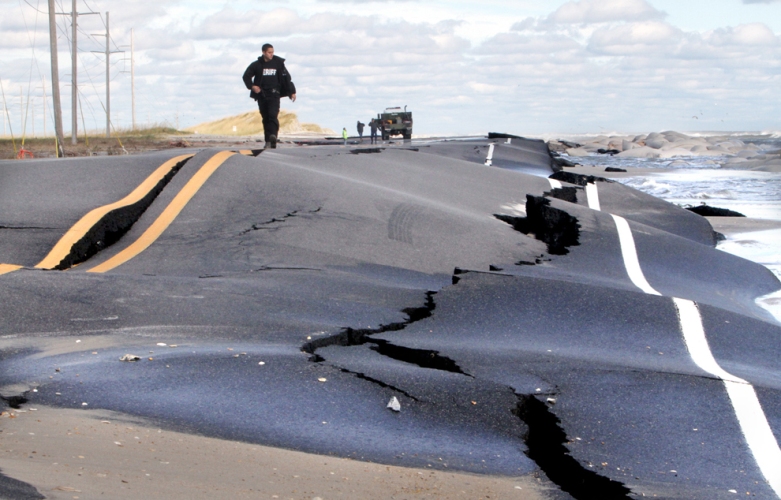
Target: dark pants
374	135
269	110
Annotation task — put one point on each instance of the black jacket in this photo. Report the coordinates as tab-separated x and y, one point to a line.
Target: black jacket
254	76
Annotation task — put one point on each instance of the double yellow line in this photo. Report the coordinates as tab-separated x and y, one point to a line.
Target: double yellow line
80	229
8	268
63	247
169	214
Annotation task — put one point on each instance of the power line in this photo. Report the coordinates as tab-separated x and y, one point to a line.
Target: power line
70	34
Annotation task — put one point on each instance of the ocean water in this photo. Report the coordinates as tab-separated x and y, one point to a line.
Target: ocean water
691	181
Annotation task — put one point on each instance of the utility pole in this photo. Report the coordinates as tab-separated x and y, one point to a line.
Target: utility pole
108	77
74	78
43	81
55	79
132	79
108	82
74	75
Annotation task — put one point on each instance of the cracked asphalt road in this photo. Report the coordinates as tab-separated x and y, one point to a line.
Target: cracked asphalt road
396	274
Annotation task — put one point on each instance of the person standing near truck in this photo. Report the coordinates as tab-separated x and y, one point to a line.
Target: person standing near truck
269	80
344	135
373	125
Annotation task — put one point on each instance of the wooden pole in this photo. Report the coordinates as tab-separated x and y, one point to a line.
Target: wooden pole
55	79
108	83
74	77
132	79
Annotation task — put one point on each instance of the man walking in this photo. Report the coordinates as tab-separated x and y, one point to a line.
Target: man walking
360	130
269	80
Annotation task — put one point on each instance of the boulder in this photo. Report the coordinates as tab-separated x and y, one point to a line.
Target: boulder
673	136
640	152
656	143
577	152
719	150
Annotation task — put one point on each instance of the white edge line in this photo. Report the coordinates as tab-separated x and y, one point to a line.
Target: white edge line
629	252
748	410
554	184
696	342
752	420
757	432
490	155
593	196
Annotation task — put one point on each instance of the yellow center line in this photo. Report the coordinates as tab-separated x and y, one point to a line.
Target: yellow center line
77	232
246	152
169	214
8	268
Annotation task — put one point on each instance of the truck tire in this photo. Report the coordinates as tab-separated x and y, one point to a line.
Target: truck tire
407	134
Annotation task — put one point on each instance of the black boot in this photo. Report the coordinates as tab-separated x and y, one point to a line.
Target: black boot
273	141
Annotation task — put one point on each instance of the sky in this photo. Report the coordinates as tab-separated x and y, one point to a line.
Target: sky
462	67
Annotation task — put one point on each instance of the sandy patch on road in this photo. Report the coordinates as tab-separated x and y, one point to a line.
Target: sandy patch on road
80	454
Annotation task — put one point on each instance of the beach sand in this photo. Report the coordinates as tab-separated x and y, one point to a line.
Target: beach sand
84	454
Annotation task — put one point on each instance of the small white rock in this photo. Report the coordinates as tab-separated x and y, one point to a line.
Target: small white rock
394	404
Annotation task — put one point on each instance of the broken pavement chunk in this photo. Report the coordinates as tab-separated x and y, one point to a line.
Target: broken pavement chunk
394	404
130	357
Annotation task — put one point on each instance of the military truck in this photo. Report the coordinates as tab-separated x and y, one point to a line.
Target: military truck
394	121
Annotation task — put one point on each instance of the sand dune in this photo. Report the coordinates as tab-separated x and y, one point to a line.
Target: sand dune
250	123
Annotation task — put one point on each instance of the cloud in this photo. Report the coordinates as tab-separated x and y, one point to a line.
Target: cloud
366	1
179	52
634	38
602	11
745	34
761	1
616	63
